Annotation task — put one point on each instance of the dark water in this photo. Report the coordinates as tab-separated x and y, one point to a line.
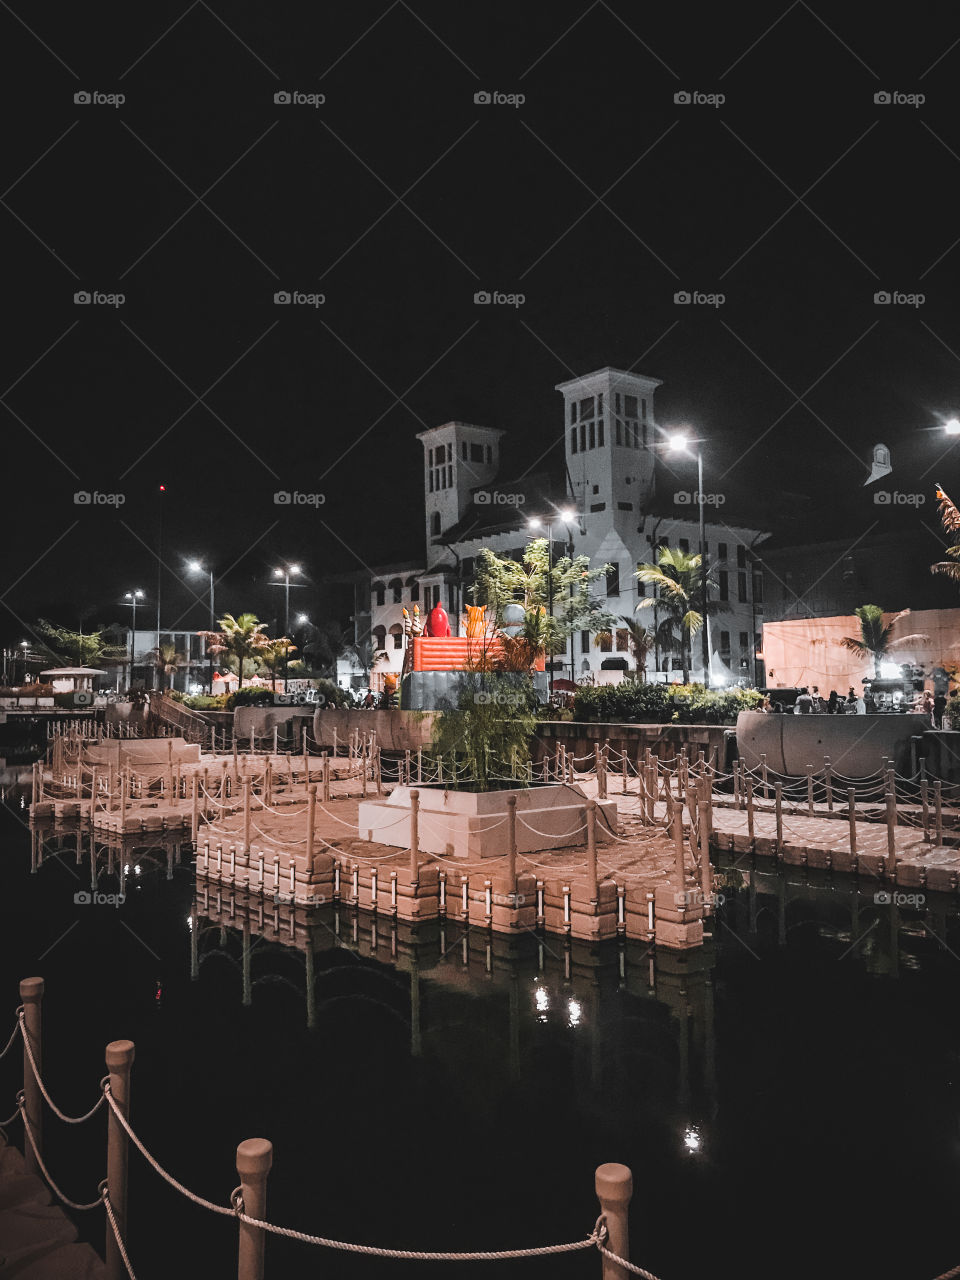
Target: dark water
451	1097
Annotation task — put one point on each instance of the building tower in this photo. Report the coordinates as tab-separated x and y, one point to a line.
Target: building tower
609	432
458	458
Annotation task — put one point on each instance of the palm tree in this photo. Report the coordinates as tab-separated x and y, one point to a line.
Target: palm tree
167	659
641	642
950	519
677	579
241	639
274	657
876	640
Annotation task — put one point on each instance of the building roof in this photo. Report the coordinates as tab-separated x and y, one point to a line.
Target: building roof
608	369
73	671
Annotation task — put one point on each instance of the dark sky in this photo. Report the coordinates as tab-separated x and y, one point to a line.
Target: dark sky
598	198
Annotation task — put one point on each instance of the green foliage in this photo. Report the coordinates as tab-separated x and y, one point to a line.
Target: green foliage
76	648
679	584
331	691
489	734
501	581
876	640
251	696
239	643
205	701
634	703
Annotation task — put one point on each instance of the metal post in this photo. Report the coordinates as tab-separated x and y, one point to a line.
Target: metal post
119	1059
254	1158
415	836
31	995
614	1186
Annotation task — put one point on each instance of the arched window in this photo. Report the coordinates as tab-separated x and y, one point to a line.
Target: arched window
435	525
413	586
379	636
396	586
378	593
396	633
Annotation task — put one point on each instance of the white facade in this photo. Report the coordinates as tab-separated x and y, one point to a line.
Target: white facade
610	434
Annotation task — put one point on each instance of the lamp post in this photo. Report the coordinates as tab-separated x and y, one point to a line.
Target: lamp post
678	444
547	522
285	574
130	598
194	566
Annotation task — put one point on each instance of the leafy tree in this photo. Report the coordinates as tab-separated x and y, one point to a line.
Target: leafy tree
679	581
274	657
876	640
501	581
240	640
489	734
78	648
950	519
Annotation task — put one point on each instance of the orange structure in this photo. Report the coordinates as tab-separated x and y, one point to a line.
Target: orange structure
458	653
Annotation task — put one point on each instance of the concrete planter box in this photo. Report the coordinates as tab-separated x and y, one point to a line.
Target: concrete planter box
470	824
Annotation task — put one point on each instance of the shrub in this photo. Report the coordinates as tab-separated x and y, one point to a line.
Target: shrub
634	703
205	701
250	696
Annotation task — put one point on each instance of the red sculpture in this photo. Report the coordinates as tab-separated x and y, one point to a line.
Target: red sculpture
438	624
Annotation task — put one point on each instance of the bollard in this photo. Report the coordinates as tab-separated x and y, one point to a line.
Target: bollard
31	994
828	781
195	810
311	819
890	799
706	871
778	794
614	1187
306	761
750	810
512	843
119	1059
406	767
675	819
94	782
937	811
852	818
414	836
925	802
123	799
254	1158
624	764
763	774
810	789
326	778
592	848
246	814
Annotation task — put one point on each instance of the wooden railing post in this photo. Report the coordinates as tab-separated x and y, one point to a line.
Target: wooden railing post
119	1059
31	995
614	1185
246	813
852	818
512	843
311	822
415	836
254	1158
592	847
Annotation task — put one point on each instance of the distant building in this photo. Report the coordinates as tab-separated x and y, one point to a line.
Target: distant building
626	504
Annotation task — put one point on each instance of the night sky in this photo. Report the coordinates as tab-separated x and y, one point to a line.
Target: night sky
598	198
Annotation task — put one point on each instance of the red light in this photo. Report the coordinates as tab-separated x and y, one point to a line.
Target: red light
163	488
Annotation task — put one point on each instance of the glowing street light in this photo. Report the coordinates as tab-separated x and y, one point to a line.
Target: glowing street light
195	566
952	426
563	516
130	598
678	442
285	574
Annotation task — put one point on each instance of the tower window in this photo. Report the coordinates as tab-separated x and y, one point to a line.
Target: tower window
593	436
619	432
723	579
616	402
573	410
613	580
463	450
741	557
573	439
584	641
630	406
742	588
476	453
431	482
586	408
684	544
449	476
599	433
583	437
744	640
725	642
489	453
396	587
414	591
721	551
378	594
643	407
434	527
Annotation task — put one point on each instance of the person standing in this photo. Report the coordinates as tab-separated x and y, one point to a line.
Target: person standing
804	703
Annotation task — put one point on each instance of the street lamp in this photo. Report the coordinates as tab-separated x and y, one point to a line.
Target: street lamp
564	516
194	566
952	426
130	598
285	574
677	443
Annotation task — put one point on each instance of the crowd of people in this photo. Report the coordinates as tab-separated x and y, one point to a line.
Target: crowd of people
810	702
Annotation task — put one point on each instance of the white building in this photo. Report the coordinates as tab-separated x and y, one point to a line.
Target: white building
627	502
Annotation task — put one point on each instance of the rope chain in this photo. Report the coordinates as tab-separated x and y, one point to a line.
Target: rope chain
105	1194
13	1034
43	1088
71	1204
